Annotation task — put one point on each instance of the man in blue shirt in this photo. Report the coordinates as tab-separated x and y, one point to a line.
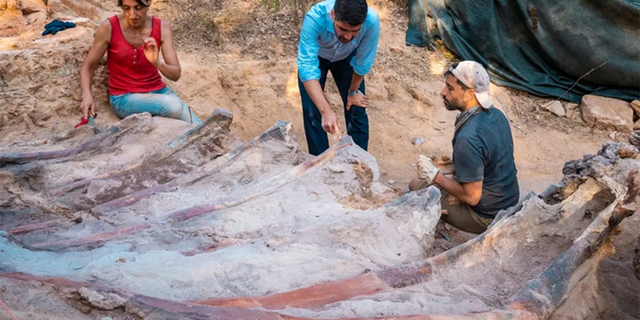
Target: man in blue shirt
340	36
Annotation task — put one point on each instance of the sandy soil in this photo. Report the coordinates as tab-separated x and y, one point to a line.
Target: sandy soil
261	87
257	82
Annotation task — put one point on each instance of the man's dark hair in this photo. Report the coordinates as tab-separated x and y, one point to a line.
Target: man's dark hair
352	12
448	72
144	3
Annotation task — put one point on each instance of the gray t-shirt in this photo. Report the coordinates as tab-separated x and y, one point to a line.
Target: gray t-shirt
483	151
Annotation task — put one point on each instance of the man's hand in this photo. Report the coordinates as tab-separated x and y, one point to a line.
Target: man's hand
358	100
330	122
87	105
150	48
426	169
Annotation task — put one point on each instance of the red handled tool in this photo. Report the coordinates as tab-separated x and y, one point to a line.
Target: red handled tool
90	121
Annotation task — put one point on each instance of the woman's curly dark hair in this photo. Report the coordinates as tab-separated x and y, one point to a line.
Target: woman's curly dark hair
144	3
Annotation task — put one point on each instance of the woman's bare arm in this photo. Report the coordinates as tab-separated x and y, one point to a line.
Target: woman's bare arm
99	47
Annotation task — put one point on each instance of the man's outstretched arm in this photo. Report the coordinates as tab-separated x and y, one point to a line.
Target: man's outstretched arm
309	72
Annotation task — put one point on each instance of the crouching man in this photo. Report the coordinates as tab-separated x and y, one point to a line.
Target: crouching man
485	172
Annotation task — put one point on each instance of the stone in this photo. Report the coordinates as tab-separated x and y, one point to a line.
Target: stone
636	260
60	11
89	8
34	11
634	138
11	18
42	80
572	111
85	309
32	6
9	5
635	105
502	100
636	126
607	113
102	300
627	151
555	107
29	122
396	50
84	22
418	141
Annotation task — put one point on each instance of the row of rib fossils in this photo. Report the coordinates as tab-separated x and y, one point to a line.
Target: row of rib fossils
157	219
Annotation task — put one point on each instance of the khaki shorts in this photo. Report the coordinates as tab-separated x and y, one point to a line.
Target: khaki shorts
455	212
461	216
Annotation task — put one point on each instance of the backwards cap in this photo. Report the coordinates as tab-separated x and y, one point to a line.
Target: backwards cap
474	75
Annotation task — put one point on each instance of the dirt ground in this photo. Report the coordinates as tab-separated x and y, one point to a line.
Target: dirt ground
259	85
226	64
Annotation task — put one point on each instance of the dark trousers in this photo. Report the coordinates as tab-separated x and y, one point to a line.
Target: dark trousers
461	215
356	118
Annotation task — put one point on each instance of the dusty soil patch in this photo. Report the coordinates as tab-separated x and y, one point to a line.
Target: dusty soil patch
257	82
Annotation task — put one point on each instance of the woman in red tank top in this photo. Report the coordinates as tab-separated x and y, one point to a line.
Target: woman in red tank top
132	41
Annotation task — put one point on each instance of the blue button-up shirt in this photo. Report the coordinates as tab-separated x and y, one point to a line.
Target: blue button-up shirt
318	39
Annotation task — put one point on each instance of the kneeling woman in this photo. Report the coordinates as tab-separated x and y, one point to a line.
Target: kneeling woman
132	40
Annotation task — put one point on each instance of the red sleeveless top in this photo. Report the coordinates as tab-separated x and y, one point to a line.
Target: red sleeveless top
129	70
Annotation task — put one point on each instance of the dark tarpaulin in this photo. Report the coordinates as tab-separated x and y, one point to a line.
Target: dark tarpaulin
540	46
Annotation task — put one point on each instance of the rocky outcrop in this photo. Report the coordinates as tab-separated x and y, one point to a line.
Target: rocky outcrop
39	74
634	138
635	105
636	260
17	16
11	20
502	100
42	80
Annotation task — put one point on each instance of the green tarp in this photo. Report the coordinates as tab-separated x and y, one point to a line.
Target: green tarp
540	46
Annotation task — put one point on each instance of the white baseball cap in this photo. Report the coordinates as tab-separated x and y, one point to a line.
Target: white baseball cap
474	75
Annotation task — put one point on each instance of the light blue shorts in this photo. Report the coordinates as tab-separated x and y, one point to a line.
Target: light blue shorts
163	102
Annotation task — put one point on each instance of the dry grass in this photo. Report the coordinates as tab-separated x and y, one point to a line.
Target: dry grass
262	28
445	52
400	3
252	25
193	22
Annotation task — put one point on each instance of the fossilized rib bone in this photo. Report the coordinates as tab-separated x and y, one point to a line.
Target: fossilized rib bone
260	189
24	157
280	129
536	300
209	140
